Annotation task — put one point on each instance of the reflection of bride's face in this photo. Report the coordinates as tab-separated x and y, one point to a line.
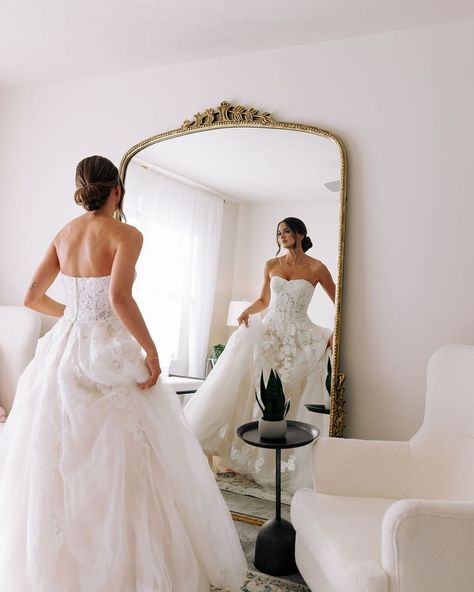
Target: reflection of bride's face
285	236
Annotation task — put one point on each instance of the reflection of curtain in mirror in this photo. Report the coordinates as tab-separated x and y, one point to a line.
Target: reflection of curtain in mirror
177	269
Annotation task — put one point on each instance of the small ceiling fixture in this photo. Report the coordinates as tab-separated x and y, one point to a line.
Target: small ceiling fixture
333	185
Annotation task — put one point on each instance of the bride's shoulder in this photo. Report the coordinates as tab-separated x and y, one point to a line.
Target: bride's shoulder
69	228
73	223
316	264
126	233
128	228
273	262
270	265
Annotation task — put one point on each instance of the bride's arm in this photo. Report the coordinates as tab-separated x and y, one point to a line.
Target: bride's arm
44	276
262	302
123	303
324	277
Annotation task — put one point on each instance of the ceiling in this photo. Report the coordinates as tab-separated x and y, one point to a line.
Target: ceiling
251	165
52	40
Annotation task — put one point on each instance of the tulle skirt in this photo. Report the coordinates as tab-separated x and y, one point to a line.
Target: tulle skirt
226	400
103	486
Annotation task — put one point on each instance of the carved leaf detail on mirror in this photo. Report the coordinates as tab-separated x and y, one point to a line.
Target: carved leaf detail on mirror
228	113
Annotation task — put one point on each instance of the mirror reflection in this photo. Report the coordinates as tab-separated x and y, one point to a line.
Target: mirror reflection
218	210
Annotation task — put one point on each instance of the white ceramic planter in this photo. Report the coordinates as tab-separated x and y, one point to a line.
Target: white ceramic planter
272	430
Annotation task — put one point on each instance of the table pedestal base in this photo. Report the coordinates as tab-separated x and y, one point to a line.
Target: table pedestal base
275	548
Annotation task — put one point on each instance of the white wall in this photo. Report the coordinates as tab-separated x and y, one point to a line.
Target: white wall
401	102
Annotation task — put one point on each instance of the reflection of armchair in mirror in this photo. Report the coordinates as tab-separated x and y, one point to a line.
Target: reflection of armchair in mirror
207	198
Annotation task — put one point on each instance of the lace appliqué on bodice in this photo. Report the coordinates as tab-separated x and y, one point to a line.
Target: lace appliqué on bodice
87	298
289	331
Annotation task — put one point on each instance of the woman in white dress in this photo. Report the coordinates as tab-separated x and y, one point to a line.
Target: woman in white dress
103	486
286	341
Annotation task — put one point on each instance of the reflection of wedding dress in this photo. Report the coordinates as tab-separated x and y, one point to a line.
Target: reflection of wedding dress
290	343
103	486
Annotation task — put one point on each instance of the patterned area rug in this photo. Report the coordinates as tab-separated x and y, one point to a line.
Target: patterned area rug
258	582
240	484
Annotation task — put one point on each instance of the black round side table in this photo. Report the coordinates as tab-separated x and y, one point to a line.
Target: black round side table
275	544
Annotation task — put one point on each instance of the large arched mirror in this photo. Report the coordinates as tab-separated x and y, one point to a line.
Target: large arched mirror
207	197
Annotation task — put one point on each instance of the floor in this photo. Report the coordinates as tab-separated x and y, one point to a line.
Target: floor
254	506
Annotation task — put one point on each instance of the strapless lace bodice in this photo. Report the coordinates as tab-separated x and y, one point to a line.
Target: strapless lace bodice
291	339
289	300
87	298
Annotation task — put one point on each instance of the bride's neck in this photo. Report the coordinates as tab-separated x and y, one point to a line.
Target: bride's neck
294	256
106	211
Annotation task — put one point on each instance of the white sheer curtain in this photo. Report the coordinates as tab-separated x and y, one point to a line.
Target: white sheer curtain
177	270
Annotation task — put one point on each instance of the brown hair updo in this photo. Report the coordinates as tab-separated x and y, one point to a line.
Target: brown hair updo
296	226
96	176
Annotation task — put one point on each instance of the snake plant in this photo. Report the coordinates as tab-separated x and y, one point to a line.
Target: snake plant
271	398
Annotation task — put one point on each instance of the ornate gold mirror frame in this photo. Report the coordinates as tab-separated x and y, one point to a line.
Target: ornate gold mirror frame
228	115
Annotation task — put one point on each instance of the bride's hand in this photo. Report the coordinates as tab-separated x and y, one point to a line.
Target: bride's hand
244	318
154	370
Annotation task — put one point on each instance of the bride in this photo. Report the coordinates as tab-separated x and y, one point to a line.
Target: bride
103	486
286	341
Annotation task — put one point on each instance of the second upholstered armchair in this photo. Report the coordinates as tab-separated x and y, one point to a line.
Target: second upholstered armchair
397	516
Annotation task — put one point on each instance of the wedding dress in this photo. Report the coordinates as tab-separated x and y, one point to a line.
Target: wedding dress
103	486
287	341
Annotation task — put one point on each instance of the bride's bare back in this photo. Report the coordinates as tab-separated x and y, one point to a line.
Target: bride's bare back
86	246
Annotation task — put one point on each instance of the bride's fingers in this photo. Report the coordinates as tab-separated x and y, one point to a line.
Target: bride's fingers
150	382
243	321
154	370
153	379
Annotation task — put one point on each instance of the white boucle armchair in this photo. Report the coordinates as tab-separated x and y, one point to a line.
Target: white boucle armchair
19	332
397	516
